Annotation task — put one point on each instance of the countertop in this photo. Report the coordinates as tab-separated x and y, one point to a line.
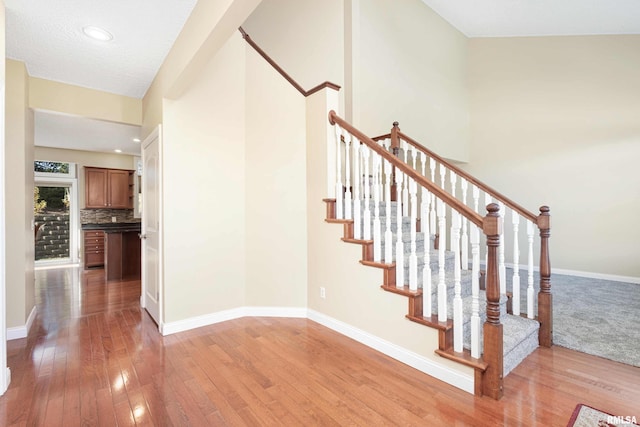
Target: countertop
114	227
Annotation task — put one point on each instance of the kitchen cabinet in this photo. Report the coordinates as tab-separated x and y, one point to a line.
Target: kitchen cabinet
93	248
108	188
123	255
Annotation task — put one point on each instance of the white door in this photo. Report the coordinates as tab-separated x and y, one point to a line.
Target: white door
151	295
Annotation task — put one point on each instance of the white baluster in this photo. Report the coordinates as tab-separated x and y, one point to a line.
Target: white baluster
476	198
414	152
366	216
443	232
475	291
377	247
388	236
442	285
426	269
339	192
530	231
502	270
432	212
464	247
457	299
347	177
357	183
425	201
385	144
379	171
515	301
413	258
405	188
453	178
399	244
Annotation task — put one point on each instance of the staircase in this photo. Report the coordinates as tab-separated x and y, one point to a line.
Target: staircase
426	237
442	286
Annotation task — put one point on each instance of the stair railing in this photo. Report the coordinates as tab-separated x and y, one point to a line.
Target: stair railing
364	152
539	308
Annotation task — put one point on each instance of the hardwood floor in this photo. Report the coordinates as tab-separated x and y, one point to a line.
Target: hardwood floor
93	357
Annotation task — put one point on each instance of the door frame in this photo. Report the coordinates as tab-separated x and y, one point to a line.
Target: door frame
46	180
155	134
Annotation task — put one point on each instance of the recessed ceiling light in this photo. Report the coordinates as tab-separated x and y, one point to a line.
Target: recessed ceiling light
97	33
136	139
117	150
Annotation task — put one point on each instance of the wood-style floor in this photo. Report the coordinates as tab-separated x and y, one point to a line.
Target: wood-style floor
93	357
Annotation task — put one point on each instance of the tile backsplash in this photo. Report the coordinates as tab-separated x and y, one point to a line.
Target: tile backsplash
102	216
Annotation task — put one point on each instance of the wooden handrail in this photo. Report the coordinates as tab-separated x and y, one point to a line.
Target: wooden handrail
381	137
508	202
283	73
463	209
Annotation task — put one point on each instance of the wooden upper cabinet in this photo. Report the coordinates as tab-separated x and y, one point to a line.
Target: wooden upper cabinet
107	188
95	183
118	189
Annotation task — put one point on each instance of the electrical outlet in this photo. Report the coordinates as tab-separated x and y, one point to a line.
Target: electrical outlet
114	219
323	293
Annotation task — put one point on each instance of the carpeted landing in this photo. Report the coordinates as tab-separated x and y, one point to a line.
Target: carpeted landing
593	316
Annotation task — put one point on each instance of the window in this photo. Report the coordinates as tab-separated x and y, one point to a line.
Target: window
54	169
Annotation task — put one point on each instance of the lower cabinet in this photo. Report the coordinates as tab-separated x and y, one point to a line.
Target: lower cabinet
93	248
123	255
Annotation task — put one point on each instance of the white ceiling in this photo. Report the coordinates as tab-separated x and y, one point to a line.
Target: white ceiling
71	132
47	36
516	18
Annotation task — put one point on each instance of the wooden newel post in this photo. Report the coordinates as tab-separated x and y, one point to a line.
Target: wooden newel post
545	300
492	383
395	147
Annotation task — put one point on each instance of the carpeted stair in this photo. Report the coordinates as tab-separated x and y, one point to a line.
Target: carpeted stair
520	334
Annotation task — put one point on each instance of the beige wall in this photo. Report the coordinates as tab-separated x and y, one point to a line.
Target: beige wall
84	158
555	121
19	195
204	190
275	193
305	37
409	65
79	101
207	29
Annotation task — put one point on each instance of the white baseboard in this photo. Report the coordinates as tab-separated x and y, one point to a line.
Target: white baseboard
590	275
587	274
235	313
18	332
429	367
295	312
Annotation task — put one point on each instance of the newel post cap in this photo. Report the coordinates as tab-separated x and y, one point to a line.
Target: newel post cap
544	219
492	223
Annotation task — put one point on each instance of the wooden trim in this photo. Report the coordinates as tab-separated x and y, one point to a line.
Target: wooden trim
545	299
508	202
493	330
331	208
283	73
464	210
321	86
404	291
381	137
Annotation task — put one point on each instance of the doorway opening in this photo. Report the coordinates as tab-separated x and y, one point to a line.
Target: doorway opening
55	217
